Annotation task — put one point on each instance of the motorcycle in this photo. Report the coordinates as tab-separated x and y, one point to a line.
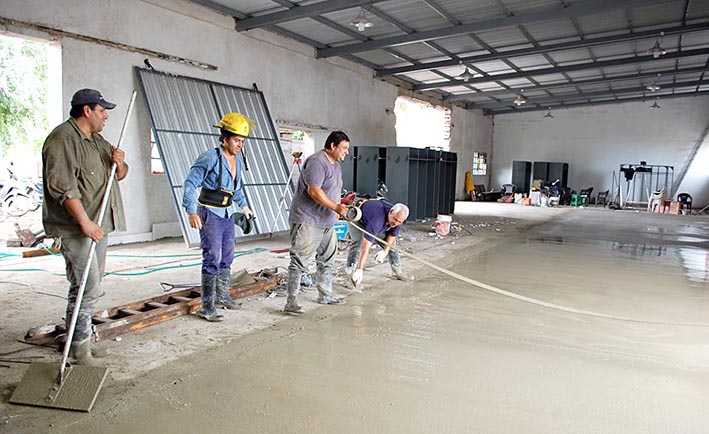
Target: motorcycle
17	198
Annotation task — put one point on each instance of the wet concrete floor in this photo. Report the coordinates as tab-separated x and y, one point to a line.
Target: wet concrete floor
442	356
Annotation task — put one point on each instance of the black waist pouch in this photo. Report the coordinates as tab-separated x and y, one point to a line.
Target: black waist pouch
215	198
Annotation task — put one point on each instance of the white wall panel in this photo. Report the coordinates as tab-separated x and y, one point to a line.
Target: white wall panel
596	140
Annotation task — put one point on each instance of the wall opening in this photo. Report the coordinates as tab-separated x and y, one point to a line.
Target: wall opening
479	163
30	101
422	125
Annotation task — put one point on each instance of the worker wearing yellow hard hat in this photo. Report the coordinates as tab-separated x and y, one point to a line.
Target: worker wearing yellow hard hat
235	123
219	174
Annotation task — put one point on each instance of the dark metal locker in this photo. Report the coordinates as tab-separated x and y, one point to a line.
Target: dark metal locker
367	170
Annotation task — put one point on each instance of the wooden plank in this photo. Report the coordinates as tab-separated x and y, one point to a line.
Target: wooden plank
157	316
129	312
123	319
39	252
181	299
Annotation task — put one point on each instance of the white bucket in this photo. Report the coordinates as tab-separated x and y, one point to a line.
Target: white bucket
443	224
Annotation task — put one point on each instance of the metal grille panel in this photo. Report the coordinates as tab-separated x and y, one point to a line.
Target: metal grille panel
183	111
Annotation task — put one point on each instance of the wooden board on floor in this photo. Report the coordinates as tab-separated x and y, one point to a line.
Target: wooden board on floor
126	318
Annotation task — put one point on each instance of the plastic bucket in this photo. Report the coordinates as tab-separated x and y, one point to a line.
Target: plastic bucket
341	229
443	224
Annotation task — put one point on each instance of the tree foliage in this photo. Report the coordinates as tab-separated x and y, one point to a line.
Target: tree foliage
23	93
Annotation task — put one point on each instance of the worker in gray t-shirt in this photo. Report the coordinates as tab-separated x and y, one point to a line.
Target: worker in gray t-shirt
314	210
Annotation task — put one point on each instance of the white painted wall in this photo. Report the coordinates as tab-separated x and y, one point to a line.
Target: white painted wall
299	89
596	140
471	132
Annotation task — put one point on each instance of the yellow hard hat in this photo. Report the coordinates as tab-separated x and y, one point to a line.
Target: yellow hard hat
235	123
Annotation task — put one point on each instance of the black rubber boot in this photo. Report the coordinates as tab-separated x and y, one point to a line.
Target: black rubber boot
223	291
209	287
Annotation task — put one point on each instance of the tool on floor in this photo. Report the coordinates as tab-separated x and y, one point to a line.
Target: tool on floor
297	161
115	321
67	386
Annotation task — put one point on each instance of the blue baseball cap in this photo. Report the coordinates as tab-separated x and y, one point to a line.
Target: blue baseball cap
90	96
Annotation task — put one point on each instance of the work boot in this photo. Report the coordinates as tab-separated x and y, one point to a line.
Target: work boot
81	353
223	291
292	306
98	354
401	274
331	299
209	311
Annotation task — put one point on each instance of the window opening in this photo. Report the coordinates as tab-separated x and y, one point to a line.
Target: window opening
479	163
30	101
156	166
422	125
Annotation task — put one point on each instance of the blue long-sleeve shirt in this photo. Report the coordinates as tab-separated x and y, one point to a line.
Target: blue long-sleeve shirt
204	173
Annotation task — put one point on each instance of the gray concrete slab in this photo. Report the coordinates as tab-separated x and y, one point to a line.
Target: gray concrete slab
436	354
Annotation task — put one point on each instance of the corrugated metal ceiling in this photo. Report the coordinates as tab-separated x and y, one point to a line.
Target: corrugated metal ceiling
421	42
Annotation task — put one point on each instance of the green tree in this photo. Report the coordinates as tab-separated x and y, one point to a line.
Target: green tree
23	93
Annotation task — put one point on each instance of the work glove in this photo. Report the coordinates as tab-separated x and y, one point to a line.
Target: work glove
357	276
381	256
246	211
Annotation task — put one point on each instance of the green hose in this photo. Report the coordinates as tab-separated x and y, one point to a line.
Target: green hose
141	273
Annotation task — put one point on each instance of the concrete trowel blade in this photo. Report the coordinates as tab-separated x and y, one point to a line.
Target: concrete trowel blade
78	392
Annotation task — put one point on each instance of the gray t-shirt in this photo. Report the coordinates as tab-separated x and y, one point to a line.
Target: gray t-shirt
317	171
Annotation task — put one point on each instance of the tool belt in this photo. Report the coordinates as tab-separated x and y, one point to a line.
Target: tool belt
215	198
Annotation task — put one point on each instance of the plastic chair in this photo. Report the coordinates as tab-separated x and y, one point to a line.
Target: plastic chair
579	200
655	202
685	200
602	196
508	189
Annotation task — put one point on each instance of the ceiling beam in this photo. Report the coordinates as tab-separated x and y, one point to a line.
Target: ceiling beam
575	96
546	48
611	79
220	8
594	103
297	12
569	68
587	7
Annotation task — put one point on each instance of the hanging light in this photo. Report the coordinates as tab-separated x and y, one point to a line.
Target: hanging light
655	105
521	99
657	49
549	115
466	75
361	22
653	87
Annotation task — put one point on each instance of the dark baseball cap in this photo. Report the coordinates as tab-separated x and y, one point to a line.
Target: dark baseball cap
90	96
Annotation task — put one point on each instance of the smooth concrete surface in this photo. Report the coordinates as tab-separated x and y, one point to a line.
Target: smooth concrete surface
437	355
